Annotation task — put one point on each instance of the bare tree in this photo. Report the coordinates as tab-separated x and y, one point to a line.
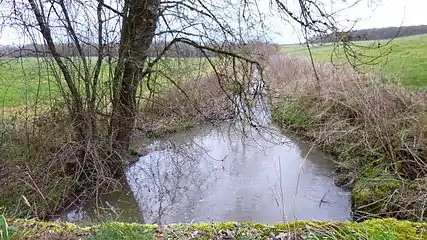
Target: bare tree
101	51
77	38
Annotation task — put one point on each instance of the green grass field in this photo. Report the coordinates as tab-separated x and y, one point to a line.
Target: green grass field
30	80
406	62
21	80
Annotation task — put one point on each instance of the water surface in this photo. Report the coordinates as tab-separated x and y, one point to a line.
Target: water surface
217	174
221	173
226	172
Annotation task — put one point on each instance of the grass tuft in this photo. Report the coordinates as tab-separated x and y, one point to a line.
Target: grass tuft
116	230
4	228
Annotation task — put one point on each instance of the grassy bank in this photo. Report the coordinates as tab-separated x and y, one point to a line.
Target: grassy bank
373	229
376	130
404	60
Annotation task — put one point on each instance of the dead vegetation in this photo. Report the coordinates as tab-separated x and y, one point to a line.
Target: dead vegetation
180	106
41	168
187	103
376	130
41	171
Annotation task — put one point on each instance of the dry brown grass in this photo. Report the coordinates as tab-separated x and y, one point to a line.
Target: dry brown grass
377	131
42	172
191	102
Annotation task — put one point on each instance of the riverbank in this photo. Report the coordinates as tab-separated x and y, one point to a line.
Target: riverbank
371	229
376	130
36	152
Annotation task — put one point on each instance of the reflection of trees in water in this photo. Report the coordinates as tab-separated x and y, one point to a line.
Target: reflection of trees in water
168	181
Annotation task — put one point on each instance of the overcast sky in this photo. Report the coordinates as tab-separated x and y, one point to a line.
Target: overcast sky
385	14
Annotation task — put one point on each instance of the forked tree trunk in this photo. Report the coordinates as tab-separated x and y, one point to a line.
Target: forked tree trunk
138	29
139	24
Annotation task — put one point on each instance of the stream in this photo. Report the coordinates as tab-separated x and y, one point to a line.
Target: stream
229	171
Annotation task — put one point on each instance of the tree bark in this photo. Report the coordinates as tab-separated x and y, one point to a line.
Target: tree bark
139	25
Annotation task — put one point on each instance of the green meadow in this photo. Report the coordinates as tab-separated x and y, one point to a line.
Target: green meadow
402	59
32	81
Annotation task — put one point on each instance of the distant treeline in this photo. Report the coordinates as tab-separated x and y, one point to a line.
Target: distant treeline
39	50
371	34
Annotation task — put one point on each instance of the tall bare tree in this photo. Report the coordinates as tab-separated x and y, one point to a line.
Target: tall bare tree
77	39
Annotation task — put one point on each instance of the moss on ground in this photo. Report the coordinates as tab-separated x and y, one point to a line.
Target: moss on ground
31	229
373	190
371	229
384	229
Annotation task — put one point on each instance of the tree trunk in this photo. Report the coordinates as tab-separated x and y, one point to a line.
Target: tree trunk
139	24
